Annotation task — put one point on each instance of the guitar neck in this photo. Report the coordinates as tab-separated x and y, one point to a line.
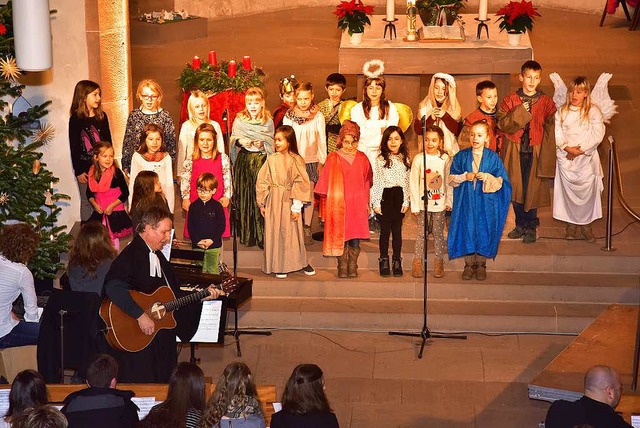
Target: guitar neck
186	300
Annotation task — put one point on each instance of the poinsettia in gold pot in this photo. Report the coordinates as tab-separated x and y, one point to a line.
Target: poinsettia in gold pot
439	12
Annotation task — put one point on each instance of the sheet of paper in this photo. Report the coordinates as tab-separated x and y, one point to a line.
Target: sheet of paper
144	404
4	401
166	250
635	421
209	326
277	407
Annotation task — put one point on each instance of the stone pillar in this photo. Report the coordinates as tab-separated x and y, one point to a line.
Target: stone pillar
115	65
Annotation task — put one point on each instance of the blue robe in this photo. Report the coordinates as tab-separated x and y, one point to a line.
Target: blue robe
477	218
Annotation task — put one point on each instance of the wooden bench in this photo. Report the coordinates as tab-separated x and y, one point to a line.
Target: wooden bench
58	392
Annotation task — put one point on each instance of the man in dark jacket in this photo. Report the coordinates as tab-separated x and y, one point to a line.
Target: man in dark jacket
602	391
101	405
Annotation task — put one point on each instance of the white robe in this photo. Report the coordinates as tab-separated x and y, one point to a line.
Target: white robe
578	183
371	129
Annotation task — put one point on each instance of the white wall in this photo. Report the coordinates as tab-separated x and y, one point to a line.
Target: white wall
70	64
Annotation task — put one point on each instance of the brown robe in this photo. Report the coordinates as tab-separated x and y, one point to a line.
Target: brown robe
543	168
281	179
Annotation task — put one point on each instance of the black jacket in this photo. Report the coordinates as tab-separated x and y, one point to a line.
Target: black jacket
569	414
100	407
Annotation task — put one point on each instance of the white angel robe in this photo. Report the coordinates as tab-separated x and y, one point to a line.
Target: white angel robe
371	129
578	183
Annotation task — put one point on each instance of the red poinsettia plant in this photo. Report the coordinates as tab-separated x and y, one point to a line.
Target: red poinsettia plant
353	16
517	16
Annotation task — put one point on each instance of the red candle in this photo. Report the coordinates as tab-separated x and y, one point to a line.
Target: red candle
196	63
232	69
213	59
246	62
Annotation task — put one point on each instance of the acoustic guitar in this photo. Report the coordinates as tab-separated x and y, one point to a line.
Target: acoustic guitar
123	332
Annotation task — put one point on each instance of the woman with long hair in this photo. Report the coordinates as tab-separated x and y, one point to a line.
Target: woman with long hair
234	402
27	390
91	257
304	402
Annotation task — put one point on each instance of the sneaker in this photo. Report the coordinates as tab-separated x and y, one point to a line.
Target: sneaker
308	270
281	275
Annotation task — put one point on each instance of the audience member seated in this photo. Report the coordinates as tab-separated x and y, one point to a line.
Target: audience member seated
41	417
91	257
27	390
101	405
18	243
161	418
304	403
602	391
185	398
234	402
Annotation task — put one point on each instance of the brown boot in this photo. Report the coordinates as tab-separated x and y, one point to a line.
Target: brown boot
570	232
416	268
469	268
352	264
481	268
587	233
342	263
438	268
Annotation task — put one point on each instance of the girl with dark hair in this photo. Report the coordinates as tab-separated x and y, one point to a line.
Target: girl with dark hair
88	124
91	257
185	398
234	402
390	196
304	402
27	390
147	192
282	188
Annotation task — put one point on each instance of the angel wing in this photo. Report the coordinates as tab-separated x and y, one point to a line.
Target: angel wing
344	112
406	116
560	93
600	97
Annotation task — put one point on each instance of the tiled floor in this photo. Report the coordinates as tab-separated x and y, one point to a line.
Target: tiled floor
375	380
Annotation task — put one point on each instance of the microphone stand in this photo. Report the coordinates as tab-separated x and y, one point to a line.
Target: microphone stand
425	334
234	237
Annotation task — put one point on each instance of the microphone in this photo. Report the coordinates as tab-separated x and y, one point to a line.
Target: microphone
224	115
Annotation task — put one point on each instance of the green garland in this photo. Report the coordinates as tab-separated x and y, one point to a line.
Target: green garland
215	79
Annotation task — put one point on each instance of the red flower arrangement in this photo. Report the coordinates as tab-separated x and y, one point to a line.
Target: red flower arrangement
3	30
353	16
517	16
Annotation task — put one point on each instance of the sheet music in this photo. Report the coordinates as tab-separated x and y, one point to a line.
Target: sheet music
209	325
166	250
635	421
4	402
144	404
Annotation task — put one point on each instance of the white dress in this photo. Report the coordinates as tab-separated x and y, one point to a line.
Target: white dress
371	129
578	184
162	168
185	142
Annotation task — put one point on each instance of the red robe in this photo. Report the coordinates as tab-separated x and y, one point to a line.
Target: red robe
346	188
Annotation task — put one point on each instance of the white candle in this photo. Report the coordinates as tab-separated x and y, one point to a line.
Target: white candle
391	15
482	11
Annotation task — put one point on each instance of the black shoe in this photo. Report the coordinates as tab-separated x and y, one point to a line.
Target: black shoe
385	269
397	267
530	236
517	233
309	270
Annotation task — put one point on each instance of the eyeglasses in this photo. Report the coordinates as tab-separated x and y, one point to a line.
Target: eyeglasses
148	97
206	191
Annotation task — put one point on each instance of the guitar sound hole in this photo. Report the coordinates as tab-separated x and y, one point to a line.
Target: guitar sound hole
157	311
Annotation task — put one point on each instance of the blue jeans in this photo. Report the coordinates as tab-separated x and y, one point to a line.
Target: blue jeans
25	333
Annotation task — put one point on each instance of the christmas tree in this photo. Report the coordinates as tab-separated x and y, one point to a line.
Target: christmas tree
26	185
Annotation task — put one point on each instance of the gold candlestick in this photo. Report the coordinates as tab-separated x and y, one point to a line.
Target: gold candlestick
412	12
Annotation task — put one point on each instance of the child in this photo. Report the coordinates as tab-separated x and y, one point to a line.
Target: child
150	95
487	96
88	124
526	117
330	108
198	108
480	204
108	192
147	192
282	189
91	257
390	196
207	159
308	123
206	222
437	196
375	113
251	143
579	130
287	86
152	155
441	108
346	183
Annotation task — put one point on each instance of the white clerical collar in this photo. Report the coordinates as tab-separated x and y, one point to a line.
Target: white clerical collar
154	263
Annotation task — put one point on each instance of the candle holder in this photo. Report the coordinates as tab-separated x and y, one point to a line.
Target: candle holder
482	24
393	34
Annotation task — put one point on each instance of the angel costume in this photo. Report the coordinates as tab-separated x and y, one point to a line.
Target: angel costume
578	185
371	128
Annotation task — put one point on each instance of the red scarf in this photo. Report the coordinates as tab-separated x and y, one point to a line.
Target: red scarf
105	179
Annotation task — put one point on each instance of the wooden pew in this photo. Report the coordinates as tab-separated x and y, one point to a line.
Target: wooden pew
58	392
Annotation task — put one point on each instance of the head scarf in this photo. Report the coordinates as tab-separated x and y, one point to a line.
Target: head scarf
348	128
